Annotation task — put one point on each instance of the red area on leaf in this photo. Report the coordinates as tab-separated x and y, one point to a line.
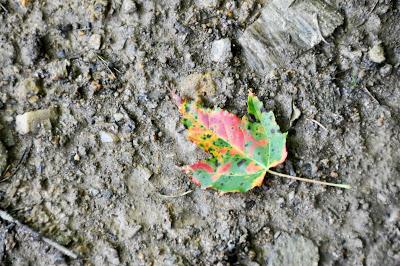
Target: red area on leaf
195	181
253	167
222	170
202	166
257	143
227	126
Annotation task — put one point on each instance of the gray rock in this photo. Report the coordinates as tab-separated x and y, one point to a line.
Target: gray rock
29	87
107	137
386	70
142	172
207	3
286	29
291	251
291	195
377	54
221	50
140	177
3	158
59	69
95	41
373	24
109	255
7	53
30	49
128	7
28	121
118	117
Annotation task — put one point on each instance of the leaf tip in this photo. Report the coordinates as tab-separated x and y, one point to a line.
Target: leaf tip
178	100
195	181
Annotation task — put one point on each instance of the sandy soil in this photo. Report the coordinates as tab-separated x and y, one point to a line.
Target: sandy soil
93	177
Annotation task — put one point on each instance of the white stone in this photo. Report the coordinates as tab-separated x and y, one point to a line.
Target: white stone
59	69
377	54
284	30
221	50
142	172
385	70
95	41
128	7
291	196
28	121
118	117
207	3
107	137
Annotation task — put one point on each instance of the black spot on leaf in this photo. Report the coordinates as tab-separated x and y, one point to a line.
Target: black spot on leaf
241	162
252	118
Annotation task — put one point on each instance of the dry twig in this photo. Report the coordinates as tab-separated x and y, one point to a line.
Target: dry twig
318	123
319	29
21	161
175	196
369	14
4	8
106	64
7	217
370	94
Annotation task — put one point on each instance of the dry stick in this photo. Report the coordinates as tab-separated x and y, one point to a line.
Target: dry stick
169	196
319	29
4	8
370	94
310	180
318	123
175	196
22	160
105	63
7	217
292	3
369	14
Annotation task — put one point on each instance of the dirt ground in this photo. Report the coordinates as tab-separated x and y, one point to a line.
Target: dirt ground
94	178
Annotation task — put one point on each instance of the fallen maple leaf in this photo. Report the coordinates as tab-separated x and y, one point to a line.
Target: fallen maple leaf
243	150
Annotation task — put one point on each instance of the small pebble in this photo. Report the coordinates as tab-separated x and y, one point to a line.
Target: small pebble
290	195
385	70
208	3
128	7
280	201
77	158
33	99
60	54
118	117
107	137
28	121
221	50
361	74
394	215
357	243
377	53
30	87
381	197
59	69
95	41
334	174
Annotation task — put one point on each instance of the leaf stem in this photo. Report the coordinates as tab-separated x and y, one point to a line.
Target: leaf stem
310	180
